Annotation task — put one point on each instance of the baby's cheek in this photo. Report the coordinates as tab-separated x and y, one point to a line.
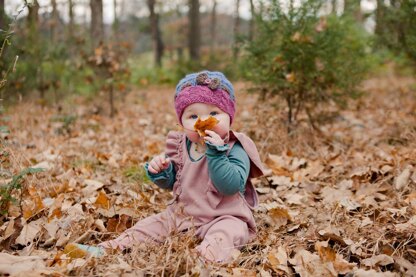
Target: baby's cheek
192	136
221	130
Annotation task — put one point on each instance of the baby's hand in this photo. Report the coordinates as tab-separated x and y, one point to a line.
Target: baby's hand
213	138
158	164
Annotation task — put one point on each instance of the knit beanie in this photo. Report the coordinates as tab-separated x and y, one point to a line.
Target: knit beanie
205	87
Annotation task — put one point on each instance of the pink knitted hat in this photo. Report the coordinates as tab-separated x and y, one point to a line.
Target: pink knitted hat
205	87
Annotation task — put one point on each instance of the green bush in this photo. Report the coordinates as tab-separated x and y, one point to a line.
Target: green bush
396	29
306	58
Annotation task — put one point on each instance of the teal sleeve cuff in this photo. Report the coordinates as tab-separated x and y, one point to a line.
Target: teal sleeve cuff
164	179
213	149
229	174
93	251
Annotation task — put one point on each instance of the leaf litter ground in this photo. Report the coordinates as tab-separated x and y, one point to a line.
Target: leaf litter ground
339	202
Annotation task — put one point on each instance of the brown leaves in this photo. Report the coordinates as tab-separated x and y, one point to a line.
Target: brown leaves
119	224
343	206
22	265
207	124
72	251
279	216
102	200
326	263
279	261
33	204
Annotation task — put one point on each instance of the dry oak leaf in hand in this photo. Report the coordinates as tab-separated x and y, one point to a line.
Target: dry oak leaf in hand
202	125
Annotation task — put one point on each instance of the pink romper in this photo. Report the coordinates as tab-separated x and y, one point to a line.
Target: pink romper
222	222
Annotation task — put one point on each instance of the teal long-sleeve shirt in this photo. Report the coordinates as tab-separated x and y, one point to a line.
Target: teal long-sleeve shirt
228	173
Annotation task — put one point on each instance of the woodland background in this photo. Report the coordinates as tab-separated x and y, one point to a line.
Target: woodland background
325	88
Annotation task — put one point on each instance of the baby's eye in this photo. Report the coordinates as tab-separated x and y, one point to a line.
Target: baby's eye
213	113
193	116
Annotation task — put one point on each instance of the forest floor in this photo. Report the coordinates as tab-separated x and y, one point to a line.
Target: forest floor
338	202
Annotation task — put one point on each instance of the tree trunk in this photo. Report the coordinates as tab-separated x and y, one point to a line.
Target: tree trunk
3	17
213	28
334	6
252	21
97	26
33	23
289	112
194	30
54	22
33	17
111	100
156	34
379	18
236	29
353	8
115	21
71	19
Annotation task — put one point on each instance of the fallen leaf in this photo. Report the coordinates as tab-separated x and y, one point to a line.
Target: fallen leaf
244	272
409	226
279	216
278	260
102	200
72	251
119	224
382	260
278	166
326	253
349	204
401	181
405	264
333	234
44	165
9	229
207	124
33	204
333	195
372	273
12	265
294	198
91	186
30	231
307	264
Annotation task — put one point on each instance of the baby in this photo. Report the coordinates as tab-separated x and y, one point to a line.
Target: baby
209	175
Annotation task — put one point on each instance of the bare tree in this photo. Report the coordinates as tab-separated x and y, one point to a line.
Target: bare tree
71	19
353	8
33	17
54	21
156	34
213	27
3	19
334	6
97	25
194	38
115	21
236	29
380	13
252	21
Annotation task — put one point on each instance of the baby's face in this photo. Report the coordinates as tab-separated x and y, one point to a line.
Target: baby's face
204	111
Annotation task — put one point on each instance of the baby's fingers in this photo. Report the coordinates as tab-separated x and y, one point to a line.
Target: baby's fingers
166	163
160	161
151	169
154	166
212	133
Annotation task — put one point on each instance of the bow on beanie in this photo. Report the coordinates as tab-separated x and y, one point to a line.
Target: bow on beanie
205	87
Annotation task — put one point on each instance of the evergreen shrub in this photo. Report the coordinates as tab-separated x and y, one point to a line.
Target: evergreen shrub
306	57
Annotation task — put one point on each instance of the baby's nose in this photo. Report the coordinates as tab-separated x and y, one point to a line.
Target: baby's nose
204	117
